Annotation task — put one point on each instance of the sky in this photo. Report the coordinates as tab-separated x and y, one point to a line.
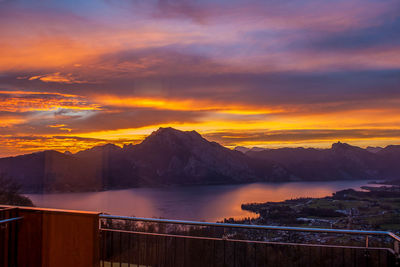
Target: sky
80	73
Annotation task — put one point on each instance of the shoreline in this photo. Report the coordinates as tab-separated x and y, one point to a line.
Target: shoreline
371	208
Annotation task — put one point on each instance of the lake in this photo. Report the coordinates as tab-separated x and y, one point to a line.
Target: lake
206	203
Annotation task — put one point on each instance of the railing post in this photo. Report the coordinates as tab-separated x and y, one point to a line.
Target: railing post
366	241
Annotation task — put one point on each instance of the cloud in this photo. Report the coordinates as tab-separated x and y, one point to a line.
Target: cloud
297	14
11	145
118	66
23	101
56	77
181	9
234	138
383	35
263	93
183	104
128	118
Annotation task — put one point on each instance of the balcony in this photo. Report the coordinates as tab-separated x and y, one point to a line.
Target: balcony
48	237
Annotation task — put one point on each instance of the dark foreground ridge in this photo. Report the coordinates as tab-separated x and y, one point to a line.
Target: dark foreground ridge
172	157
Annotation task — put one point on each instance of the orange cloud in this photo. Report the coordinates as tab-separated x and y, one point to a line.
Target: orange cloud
77	46
16	145
33	53
10	121
35	93
357	126
184	105
21	101
56	77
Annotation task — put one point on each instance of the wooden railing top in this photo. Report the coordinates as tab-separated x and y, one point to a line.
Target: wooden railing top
80	212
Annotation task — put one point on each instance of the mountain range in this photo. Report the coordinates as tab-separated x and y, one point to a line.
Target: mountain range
172	157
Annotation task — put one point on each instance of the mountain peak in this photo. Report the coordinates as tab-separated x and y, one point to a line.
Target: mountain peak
342	146
165	130
170	130
172	135
108	146
99	149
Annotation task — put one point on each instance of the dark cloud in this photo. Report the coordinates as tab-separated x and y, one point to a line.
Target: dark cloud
272	89
376	37
130	118
234	137
162	61
189	9
322	90
76	121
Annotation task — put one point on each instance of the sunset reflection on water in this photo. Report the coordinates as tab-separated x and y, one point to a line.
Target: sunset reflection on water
207	203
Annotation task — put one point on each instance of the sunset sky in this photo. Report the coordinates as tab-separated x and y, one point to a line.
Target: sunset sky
79	73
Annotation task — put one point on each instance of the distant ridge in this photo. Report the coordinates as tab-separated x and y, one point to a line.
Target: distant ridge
172	157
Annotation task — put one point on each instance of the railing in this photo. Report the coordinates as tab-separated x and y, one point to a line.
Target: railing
8	237
154	242
46	237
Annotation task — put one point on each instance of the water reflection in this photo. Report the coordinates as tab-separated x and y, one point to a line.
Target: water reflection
208	203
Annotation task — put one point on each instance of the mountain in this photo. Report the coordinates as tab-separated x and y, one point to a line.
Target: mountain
166	157
389	162
169	156
242	149
246	149
374	149
341	161
172	157
49	171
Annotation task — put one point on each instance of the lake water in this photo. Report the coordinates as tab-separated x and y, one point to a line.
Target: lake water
207	203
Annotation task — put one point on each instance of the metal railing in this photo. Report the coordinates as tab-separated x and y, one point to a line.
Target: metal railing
114	234
133	241
6	221
8	237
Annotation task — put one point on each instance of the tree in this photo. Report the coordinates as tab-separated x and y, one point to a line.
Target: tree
10	193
